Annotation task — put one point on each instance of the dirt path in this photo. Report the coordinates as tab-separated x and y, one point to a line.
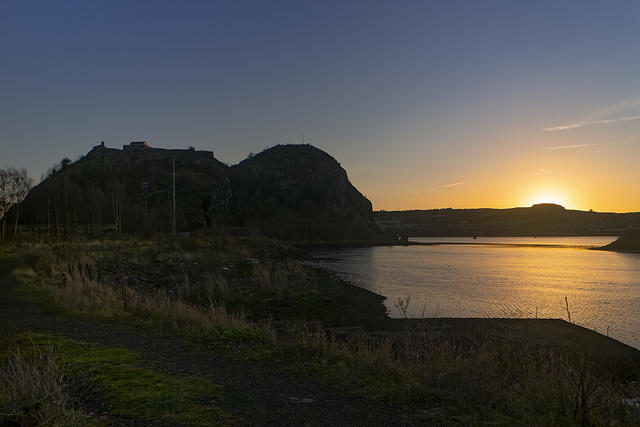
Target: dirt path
253	394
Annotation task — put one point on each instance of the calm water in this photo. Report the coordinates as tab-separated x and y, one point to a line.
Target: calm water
502	277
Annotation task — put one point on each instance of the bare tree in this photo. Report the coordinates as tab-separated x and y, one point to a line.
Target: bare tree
5	190
14	186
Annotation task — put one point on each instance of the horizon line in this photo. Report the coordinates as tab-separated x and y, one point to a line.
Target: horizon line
503	208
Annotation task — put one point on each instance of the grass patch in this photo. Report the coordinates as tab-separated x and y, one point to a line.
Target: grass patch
48	366
36	390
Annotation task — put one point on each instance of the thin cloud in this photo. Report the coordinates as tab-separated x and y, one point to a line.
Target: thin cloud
564	147
590	123
442	187
455	184
614	109
631	138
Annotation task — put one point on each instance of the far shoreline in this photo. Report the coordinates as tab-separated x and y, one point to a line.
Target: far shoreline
344	244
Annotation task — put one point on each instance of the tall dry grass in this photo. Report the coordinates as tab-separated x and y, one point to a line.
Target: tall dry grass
492	378
35	390
76	285
279	278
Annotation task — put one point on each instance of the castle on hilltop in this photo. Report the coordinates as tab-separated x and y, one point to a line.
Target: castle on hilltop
143	147
136	145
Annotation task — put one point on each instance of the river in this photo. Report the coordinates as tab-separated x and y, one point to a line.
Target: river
501	277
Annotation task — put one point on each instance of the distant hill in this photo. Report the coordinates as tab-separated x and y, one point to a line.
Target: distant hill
537	220
289	191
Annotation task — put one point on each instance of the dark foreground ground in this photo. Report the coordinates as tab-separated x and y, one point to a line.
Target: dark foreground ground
253	393
257	394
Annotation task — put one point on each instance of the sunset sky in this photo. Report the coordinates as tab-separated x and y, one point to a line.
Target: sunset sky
426	104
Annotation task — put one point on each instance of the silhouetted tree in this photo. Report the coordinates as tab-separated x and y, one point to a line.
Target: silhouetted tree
55	168
14	186
4	192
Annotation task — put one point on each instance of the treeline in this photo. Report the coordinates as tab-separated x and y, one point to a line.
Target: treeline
98	194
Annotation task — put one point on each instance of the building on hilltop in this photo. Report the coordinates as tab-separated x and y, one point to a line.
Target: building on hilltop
136	148
136	145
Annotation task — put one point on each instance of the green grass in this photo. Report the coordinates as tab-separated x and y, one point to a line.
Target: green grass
35	389
121	381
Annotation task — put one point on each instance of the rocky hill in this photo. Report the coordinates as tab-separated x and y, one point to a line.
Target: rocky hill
295	192
300	192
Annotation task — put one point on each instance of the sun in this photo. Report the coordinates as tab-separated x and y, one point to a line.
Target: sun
548	197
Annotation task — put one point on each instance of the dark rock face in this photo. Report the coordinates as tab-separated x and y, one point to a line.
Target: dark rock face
295	192
300	192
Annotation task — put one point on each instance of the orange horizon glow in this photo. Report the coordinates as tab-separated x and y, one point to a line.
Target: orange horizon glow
587	177
506	197
493	206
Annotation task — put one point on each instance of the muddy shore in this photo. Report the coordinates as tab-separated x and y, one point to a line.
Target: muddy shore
364	311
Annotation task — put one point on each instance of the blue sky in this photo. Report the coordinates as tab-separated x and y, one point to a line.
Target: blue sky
426	104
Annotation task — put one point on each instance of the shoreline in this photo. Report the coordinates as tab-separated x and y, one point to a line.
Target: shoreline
367	244
370	313
363	312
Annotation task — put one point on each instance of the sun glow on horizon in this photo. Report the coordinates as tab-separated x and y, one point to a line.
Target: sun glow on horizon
554	197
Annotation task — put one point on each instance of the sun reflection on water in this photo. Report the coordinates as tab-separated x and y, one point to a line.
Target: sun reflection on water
602	288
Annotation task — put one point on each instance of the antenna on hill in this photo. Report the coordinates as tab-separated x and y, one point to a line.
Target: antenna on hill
145	187
173	159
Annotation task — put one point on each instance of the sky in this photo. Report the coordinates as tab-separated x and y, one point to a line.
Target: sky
425	104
